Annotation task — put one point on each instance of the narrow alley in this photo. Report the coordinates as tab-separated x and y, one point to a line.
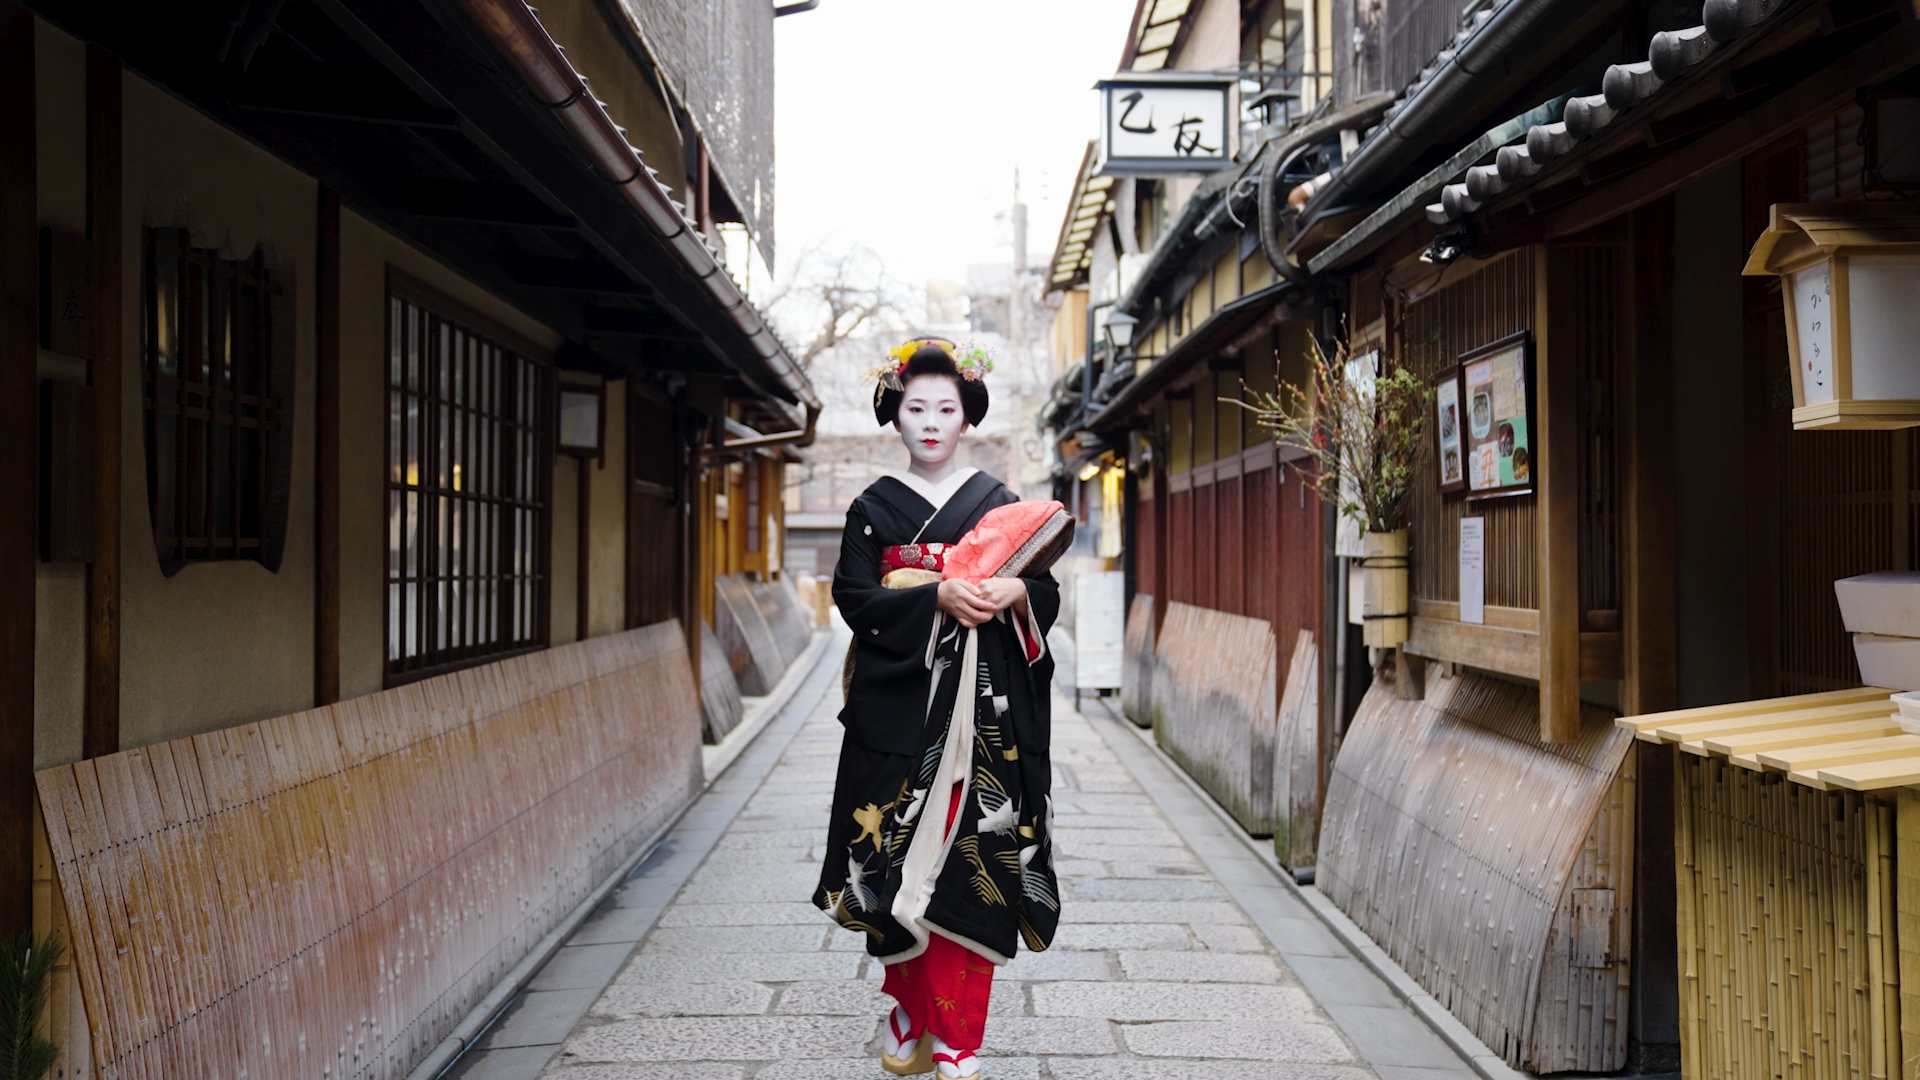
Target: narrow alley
1181	953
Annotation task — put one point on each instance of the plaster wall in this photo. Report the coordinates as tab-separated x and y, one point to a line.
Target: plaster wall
607	527
366	254
218	643
1709	441
565	562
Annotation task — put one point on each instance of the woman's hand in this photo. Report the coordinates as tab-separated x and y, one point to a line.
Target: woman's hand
964	601
1003	592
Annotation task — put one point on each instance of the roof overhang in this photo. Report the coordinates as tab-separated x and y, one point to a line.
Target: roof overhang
1230	328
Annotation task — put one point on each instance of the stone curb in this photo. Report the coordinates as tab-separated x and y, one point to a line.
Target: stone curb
1478	1056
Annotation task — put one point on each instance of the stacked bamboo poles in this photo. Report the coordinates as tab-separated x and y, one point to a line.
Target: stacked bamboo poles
327	894
1786	899
1214	708
1451	834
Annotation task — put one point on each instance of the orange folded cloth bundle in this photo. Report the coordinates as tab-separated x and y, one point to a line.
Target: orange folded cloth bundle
1015	540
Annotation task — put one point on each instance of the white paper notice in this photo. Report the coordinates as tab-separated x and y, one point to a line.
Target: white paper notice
1473	570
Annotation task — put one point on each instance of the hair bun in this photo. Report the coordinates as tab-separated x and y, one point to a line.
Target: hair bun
966	364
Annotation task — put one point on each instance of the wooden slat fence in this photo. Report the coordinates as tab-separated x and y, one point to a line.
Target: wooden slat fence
1452	836
327	894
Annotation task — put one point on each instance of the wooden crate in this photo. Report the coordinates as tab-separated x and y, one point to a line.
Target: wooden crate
329	893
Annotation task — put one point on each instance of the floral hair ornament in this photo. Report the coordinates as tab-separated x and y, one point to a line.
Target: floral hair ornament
888	375
974	359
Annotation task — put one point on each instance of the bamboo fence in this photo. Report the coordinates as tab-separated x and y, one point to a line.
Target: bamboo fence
1136	663
1214	708
721	709
1473	853
327	894
1787	898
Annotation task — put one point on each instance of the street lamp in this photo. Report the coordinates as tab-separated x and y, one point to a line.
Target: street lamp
1120	330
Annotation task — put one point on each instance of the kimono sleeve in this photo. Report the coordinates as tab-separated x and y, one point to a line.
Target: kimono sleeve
896	621
1043	607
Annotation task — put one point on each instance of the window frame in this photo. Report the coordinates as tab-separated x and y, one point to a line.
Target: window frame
404	288
234	300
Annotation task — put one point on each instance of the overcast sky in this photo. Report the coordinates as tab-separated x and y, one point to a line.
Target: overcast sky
898	124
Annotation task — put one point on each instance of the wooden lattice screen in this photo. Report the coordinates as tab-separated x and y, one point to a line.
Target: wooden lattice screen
327	894
1482	307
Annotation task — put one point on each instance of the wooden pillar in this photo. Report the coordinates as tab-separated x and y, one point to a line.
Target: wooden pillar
582	544
1648	641
19	459
100	732
1557	407
326	468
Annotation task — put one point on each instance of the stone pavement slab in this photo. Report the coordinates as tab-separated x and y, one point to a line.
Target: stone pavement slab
1179	957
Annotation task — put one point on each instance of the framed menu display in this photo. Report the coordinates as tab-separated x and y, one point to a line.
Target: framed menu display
1496	402
1450	453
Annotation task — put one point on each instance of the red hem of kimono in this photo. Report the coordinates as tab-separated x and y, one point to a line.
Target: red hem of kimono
945	989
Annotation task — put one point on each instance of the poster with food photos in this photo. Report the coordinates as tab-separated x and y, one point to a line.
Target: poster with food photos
1496	405
1450	453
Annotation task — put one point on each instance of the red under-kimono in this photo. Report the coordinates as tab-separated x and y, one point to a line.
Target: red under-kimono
944	989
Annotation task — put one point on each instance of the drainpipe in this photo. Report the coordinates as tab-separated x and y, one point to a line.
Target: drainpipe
513	28
799	437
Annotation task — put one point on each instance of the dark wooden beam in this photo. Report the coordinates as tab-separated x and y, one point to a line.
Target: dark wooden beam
1650	661
492	204
581	275
338	92
653	325
19	435
100	732
1886	55
326	471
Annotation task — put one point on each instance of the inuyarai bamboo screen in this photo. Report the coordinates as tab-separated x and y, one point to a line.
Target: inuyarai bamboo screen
215	376
328	894
469	454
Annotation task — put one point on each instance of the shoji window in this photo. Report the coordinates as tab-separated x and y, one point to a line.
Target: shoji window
469	465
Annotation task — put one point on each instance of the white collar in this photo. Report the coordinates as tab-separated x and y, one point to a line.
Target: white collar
935	494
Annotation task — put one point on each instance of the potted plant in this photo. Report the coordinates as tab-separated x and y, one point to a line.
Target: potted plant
1366	432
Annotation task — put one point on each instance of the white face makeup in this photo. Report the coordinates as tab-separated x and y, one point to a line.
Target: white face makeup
930	423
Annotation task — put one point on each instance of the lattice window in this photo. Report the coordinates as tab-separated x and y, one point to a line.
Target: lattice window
216	374
1836	156
470	458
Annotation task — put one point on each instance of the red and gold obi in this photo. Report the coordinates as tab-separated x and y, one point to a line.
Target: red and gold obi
914	556
905	566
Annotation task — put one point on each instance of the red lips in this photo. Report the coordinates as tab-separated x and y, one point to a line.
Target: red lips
929	442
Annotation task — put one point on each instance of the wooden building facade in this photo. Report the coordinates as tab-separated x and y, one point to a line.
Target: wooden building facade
372	423
1675	540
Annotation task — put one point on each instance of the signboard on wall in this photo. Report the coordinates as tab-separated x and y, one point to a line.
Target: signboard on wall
1165	124
1496	402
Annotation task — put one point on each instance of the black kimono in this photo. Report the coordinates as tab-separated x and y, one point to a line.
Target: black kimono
911	736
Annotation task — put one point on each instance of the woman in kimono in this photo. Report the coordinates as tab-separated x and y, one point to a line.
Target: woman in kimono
942	904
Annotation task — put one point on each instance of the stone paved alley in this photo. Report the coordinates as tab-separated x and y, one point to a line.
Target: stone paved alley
1180	955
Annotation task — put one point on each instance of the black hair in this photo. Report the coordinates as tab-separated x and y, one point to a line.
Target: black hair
931	359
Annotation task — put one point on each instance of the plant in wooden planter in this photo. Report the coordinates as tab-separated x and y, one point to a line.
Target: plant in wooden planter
1366	432
26	979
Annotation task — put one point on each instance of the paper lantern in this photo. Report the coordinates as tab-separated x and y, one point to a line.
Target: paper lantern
1850	277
